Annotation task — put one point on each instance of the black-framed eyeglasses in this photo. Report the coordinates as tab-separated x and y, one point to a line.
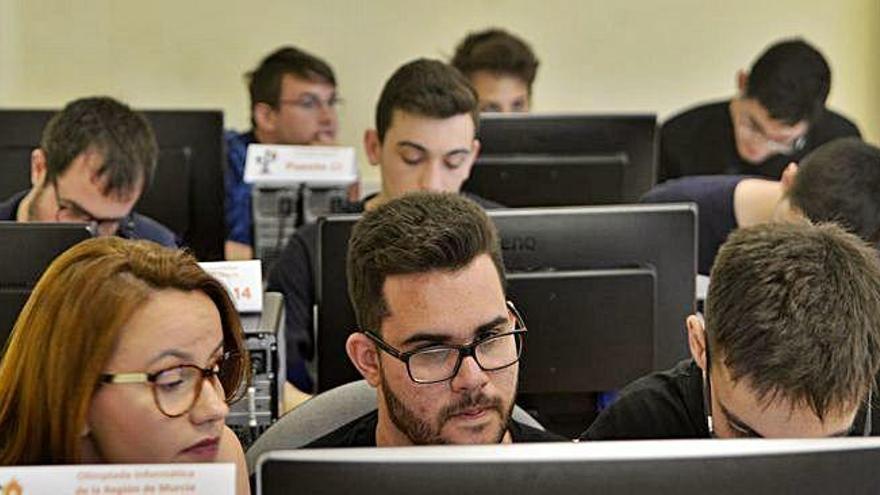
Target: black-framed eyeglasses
441	362
311	103
177	389
70	211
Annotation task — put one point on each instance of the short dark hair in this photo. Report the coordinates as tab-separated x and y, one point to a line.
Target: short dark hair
791	79
497	51
122	137
428	88
418	232
795	310
264	82
840	182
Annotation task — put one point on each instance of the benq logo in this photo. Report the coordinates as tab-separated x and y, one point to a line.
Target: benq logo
11	488
526	243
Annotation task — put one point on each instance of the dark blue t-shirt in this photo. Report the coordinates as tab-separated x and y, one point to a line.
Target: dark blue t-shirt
713	195
239	217
142	227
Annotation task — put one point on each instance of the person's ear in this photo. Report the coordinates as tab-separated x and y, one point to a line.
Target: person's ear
38	167
264	117
697	340
475	152
788	176
373	146
363	354
742	82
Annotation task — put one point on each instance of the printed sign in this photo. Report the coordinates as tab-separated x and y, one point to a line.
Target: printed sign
117	479
243	280
317	166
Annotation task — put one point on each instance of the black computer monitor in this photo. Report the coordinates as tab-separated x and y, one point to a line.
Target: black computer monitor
562	160
187	192
26	250
604	290
673	467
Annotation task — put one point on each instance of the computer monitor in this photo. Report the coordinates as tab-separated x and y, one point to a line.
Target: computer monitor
673	467
564	160
26	251
604	290
187	192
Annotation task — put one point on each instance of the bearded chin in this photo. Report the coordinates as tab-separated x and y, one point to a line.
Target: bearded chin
421	432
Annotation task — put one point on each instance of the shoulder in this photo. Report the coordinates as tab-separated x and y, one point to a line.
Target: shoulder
238	139
230	451
522	433
667	404
832	125
694	188
145	227
358	433
695	118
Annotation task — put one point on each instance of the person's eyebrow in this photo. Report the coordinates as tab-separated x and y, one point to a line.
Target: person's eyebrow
183	356
757	125
439	338
739	423
410	144
459	151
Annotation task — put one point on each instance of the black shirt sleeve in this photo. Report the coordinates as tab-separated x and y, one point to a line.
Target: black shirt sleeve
659	406
293	276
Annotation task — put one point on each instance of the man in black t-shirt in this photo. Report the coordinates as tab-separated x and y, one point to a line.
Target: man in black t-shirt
837	182
778	117
425	139
436	337
789	348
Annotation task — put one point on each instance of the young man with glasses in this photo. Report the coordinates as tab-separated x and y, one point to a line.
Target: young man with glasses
95	159
437	337
293	101
790	346
778	116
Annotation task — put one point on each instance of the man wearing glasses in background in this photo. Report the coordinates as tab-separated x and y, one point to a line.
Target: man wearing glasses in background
293	102
789	348
437	337
778	117
96	158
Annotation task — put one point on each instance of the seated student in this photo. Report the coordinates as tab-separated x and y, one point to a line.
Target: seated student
501	67
425	139
437	337
293	101
96	158
126	352
838	182
778	117
789	348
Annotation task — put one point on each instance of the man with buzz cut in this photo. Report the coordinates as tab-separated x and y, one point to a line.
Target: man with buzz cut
95	160
437	336
424	140
778	116
789	348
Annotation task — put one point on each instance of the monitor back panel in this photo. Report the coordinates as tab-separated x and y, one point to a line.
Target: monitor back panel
614	315
808	473
559	160
26	251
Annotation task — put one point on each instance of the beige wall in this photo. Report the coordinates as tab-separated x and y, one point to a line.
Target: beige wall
597	55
